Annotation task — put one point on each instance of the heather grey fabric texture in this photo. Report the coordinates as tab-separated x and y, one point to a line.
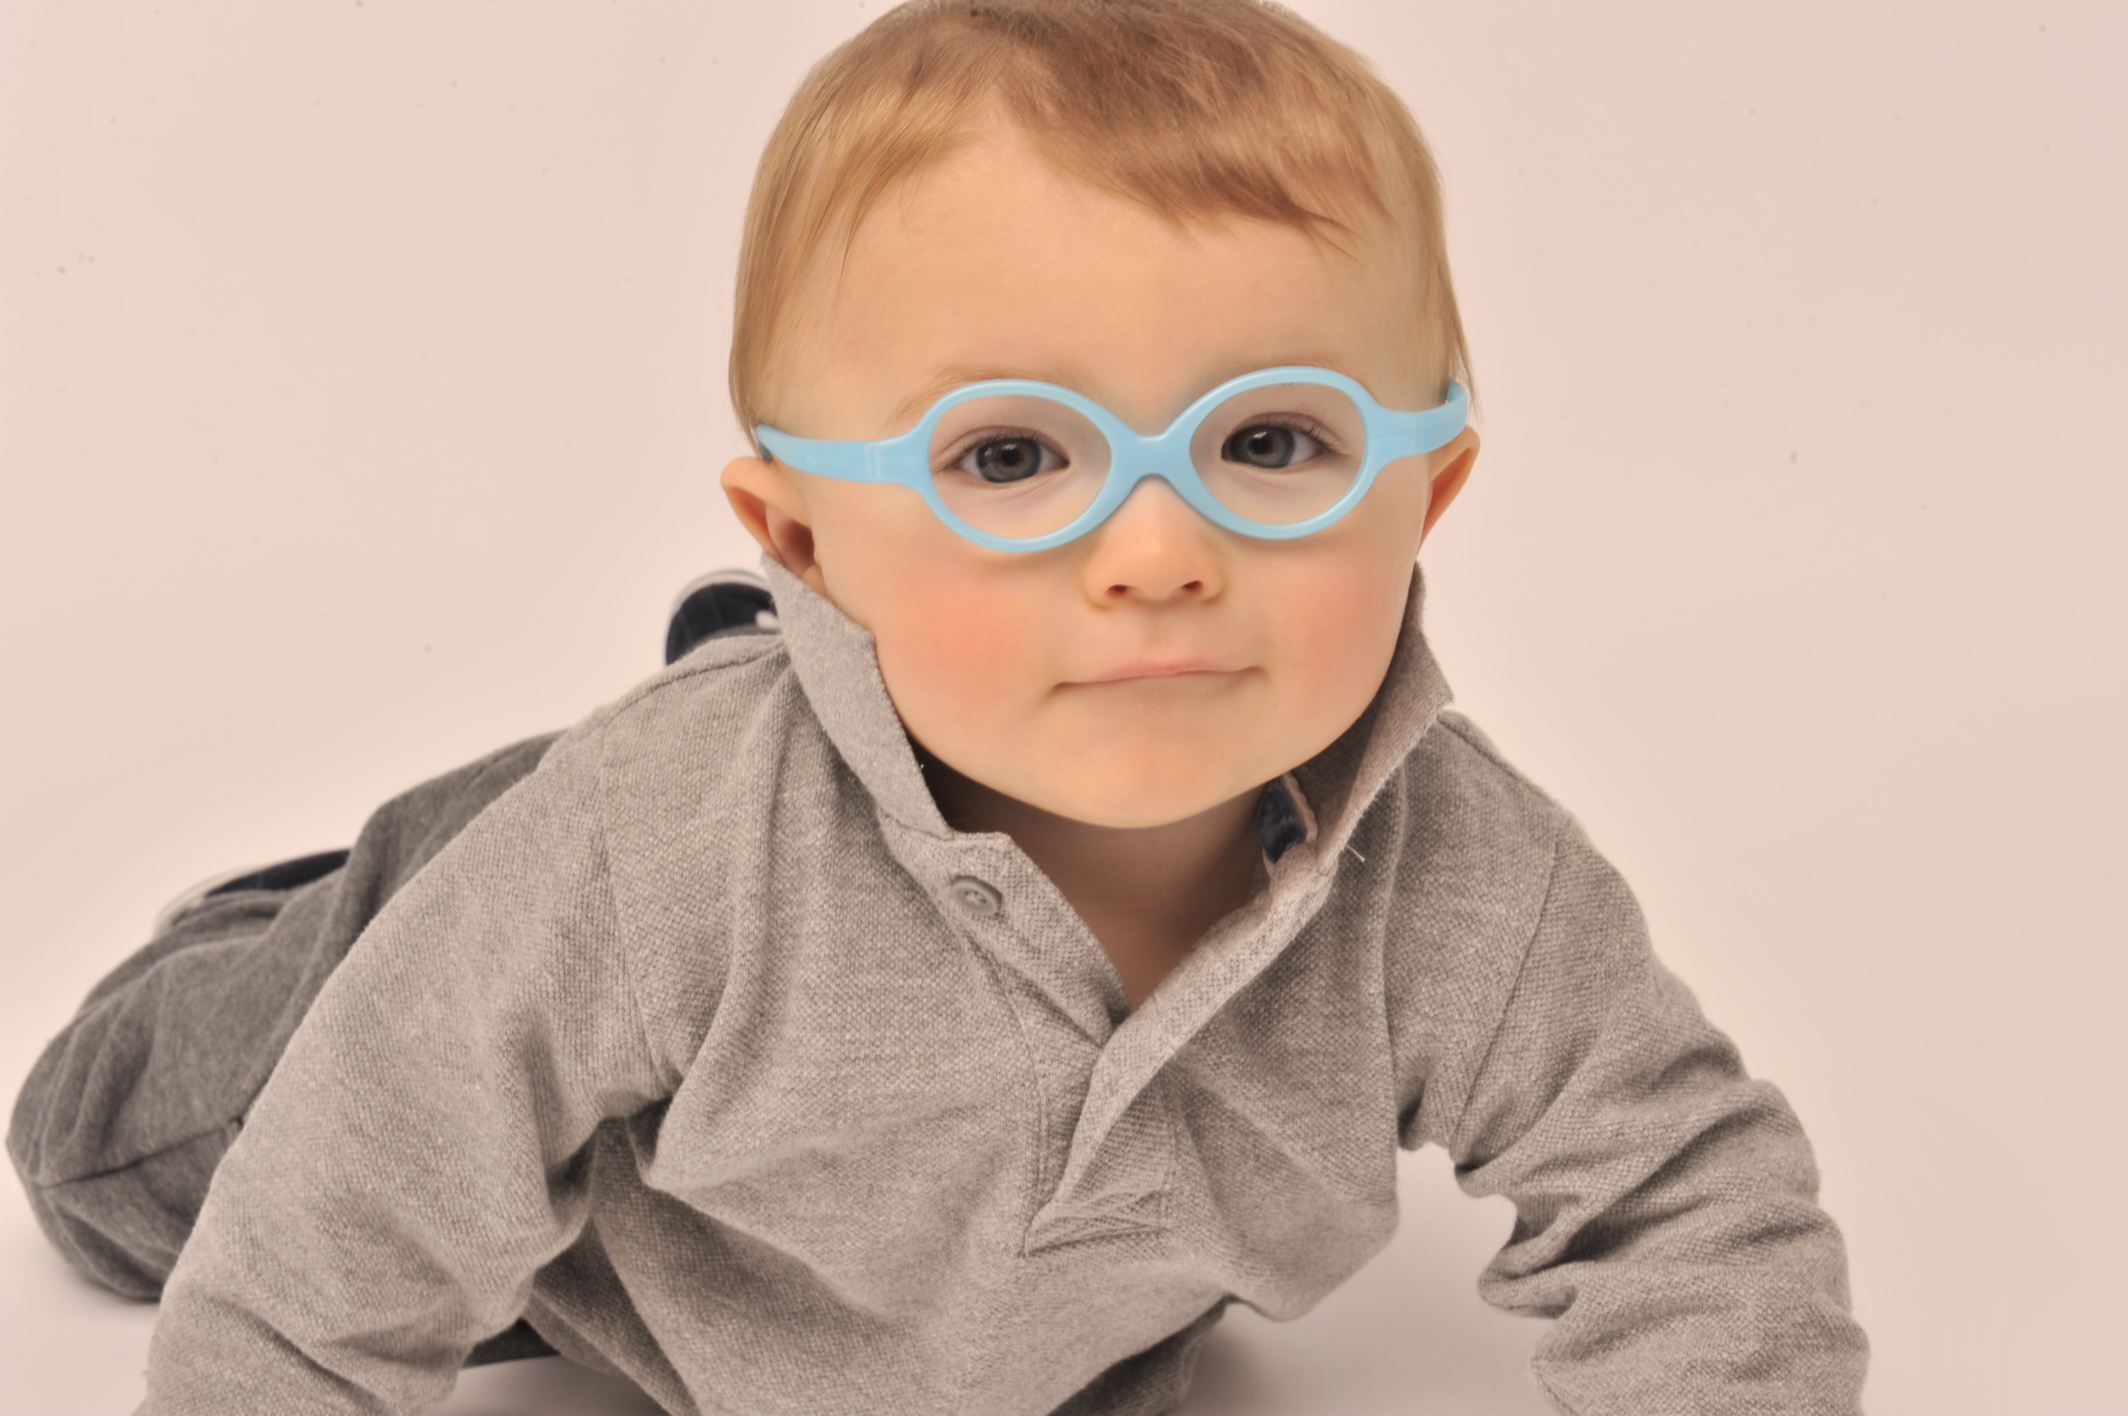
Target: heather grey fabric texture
124	1117
713	1050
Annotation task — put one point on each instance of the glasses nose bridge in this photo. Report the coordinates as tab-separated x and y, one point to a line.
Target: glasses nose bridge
1160	454
1165	457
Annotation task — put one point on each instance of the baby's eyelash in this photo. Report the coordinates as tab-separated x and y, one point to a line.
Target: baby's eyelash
1297	423
968	442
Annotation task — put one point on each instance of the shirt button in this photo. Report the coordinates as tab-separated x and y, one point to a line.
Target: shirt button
976	898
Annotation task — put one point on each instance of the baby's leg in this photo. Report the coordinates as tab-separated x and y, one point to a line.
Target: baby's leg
123	1119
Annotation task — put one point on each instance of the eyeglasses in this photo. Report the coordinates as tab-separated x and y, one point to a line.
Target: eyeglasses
1017	465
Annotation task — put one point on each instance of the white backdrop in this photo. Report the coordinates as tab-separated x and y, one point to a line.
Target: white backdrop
361	372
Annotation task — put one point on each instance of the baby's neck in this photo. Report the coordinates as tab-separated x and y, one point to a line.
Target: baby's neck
1148	894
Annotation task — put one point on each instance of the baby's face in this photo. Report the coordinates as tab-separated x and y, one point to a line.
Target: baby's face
1158	665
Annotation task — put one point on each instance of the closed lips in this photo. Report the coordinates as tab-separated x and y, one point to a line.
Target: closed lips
1158	668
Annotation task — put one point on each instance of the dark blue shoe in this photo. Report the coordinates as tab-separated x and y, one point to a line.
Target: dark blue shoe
283	875
721	602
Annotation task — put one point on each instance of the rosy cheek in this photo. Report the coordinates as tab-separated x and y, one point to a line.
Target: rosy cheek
946	624
954	648
1338	628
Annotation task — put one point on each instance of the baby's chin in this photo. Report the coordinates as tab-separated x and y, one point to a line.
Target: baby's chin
1126	793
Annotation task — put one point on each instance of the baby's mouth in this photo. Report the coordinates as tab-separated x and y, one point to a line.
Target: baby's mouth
1138	670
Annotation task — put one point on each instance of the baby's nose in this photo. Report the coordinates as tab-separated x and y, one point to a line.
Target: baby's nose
1154	548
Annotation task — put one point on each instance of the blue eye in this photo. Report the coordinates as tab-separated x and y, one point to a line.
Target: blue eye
1272	447
1001	461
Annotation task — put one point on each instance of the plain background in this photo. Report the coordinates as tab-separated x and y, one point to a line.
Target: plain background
361	401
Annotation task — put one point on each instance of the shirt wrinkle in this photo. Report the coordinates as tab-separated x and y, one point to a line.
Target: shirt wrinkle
1453	1133
653	1066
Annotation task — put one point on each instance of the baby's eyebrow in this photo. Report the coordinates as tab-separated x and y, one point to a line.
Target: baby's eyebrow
947	380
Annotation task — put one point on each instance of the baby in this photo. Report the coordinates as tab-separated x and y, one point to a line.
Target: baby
951	1001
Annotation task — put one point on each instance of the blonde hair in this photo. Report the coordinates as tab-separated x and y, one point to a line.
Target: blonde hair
1197	109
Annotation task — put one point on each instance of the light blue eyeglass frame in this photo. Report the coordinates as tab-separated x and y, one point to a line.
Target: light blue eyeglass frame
905	459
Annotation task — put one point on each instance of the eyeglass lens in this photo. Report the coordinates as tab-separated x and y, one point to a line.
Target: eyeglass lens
1024	466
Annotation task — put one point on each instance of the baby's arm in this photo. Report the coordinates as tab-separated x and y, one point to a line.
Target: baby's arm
1666	1211
419	1152
1666	1203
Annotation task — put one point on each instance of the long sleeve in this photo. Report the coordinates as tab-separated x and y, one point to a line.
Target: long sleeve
420	1151
1666	1202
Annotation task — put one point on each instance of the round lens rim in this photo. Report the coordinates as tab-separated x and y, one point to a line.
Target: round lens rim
905	459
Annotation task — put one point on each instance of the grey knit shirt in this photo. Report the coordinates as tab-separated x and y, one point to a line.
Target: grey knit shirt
711	1049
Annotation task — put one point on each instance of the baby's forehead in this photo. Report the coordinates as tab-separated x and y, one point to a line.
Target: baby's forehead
996	263
996	163
999	223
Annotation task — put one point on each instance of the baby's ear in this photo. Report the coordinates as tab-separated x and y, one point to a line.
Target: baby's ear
1451	464
771	506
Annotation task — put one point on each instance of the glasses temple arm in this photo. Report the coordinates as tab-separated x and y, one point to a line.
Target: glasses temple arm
846	461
